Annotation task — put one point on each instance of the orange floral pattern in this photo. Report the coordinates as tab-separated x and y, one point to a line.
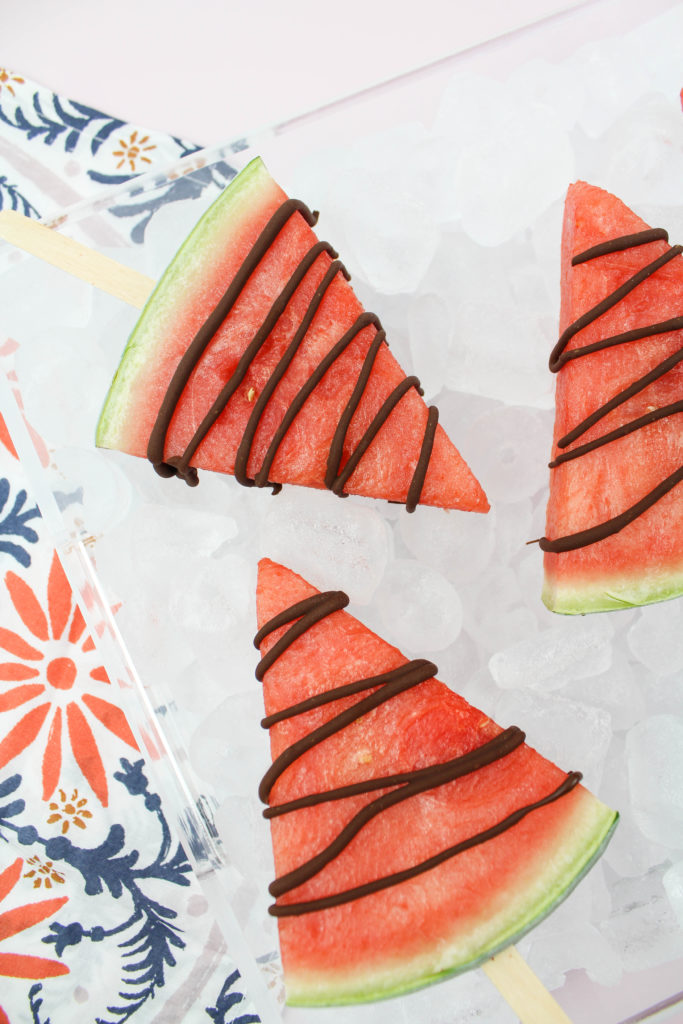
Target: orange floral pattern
70	811
18	919
133	150
6	440
43	873
8	79
45	674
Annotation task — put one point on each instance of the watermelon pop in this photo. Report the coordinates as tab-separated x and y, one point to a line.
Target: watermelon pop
254	357
615	512
413	837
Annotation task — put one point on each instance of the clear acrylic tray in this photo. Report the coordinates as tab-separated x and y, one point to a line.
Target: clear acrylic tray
443	192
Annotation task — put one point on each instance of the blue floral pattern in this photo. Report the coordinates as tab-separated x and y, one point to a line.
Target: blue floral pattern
227	999
107	151
149	936
65	121
14	518
131	892
190	186
12	199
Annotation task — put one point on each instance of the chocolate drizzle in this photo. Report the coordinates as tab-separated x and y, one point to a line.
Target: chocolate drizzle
401	785
559	357
336	476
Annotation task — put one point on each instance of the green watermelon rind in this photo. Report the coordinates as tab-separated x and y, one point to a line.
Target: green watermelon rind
168	295
576	599
589	851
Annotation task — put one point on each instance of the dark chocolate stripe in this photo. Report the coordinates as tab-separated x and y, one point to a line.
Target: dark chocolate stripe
410	783
274	313
558	357
399	679
622	431
622	396
335	480
508	740
196	348
307	907
621	243
414	783
368	437
295	611
307	389
611	526
649	331
328	697
337	446
417	483
325	604
244	449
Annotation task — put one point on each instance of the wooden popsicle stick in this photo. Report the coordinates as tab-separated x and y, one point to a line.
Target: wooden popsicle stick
75	258
522	990
508	971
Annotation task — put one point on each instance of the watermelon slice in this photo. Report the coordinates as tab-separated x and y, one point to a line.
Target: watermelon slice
254	357
492	837
614	527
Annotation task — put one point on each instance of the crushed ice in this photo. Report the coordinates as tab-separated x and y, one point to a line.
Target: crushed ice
455	242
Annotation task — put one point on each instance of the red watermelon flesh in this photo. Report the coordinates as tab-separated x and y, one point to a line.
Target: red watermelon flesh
446	919
643	562
191	288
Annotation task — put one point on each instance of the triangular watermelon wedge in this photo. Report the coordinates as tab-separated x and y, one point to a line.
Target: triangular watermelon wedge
504	833
614	528
250	309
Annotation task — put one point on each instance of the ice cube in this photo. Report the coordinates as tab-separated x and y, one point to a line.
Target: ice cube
629	853
229	749
575	736
93	494
642	926
574	947
616	690
215	596
654	639
672	880
576	649
494	615
469	998
429	328
610	83
342	545
499	344
654	749
494	593
498	196
166	536
513	529
499	630
62	415
529	570
551	85
392	243
662	693
378	214
418	608
640	154
69	300
512	446
458	542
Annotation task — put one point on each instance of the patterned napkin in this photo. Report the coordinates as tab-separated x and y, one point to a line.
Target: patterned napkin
101	918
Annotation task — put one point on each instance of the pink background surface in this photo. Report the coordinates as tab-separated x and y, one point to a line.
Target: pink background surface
213	70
